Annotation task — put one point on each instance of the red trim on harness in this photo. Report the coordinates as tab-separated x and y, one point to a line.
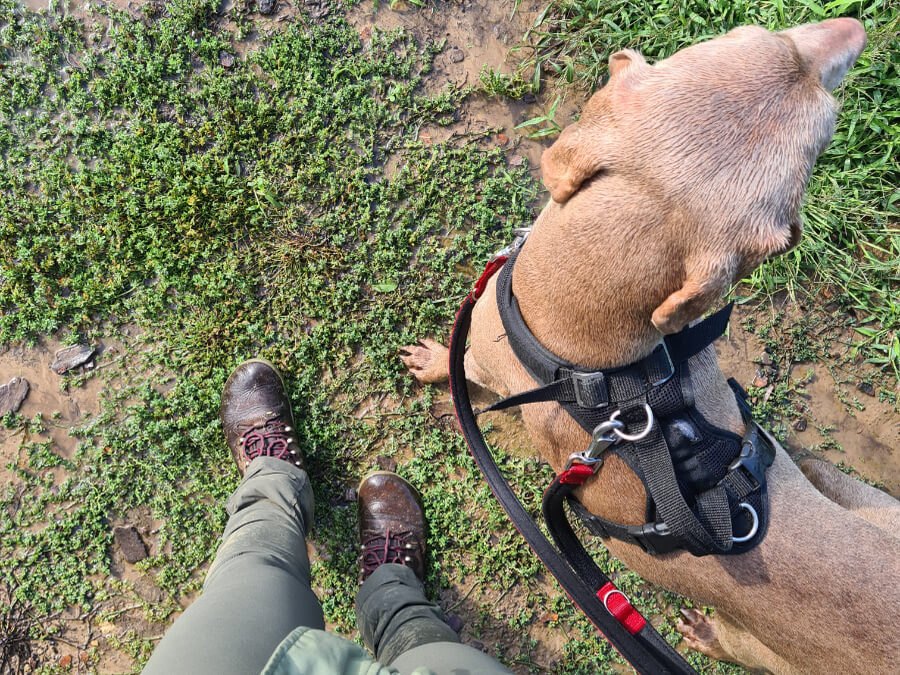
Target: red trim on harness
576	474
492	267
617	604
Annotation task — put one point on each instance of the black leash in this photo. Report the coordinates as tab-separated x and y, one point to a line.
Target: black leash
592	591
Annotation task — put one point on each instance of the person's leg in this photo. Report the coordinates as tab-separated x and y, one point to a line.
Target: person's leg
448	658
394	615
258	588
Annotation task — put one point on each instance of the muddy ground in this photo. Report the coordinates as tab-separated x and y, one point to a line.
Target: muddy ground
845	424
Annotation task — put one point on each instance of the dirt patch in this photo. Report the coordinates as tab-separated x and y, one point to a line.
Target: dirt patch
61	403
842	424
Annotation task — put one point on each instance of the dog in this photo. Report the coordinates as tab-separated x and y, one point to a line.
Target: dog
679	179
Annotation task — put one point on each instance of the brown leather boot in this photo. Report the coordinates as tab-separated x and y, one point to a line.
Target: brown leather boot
256	415
391	524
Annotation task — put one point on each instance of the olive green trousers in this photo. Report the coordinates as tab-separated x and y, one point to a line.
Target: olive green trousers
257	592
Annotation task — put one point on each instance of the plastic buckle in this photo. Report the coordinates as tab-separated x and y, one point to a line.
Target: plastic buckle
654	538
590	389
756	456
671	365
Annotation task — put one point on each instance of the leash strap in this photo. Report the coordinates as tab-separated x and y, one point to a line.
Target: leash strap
604	605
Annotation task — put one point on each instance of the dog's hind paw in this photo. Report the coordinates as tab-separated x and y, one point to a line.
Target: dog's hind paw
700	633
427	361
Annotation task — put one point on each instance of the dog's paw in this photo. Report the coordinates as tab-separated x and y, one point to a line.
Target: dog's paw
427	361
700	633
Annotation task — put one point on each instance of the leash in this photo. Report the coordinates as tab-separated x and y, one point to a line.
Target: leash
593	592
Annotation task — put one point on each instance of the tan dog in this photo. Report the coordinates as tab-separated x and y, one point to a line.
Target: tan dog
679	179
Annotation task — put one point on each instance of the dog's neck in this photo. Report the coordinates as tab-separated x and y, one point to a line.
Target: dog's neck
584	302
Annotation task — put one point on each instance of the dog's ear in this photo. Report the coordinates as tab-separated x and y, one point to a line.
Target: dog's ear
569	162
704	285
623	59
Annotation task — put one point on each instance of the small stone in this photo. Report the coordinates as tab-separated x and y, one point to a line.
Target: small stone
529	98
799	424
760	380
766	359
867	388
350	495
68	358
12	394
516	160
502	139
65	661
226	60
267	6
456	55
477	644
386	463
455	622
129	541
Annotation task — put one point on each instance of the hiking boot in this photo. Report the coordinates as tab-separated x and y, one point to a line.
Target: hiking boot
391	524
256	416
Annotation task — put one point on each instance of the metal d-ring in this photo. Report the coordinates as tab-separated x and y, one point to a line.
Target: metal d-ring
753	528
638	436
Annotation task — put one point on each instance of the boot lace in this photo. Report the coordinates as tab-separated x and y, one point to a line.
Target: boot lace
390	547
270	439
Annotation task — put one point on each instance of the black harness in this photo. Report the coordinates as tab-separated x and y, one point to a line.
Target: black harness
706	488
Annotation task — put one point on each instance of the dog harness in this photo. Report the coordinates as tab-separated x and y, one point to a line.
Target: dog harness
705	486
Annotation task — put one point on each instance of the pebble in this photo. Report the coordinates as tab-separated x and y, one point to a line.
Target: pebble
12	394
760	380
516	160
68	358
766	359
799	424
867	388
456	55
455	622
226	60
129	541
477	644
267	6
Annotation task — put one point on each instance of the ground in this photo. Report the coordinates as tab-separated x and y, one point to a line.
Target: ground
186	184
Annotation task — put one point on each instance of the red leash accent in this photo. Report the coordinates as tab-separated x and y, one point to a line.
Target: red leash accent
576	475
492	267
615	601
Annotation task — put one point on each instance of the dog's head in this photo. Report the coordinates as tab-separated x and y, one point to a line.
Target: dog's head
724	134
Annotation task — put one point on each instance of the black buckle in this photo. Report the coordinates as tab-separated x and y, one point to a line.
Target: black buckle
590	389
654	538
669	363
756	455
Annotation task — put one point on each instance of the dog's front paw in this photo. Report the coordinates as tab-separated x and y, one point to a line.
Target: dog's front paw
700	633
427	361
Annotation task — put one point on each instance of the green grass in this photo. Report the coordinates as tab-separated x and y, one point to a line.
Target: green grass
851	242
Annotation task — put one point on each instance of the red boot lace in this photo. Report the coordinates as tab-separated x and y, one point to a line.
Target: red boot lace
390	547
268	440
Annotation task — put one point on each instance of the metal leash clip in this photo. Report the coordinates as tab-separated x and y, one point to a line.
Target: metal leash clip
521	235
605	434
